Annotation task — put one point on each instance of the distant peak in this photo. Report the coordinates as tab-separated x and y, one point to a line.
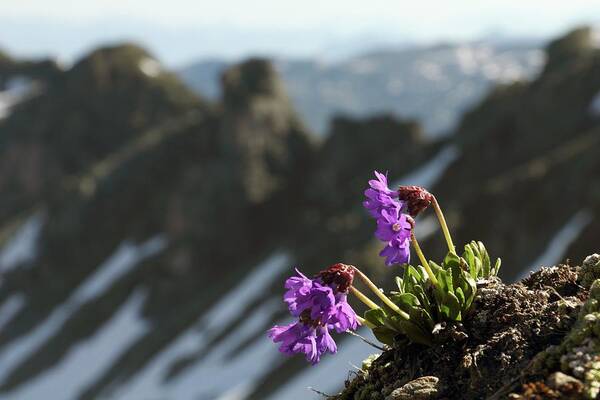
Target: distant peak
562	50
255	77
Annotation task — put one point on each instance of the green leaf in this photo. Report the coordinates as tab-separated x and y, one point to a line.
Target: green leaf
375	316
400	284
469	288
415	333
421	317
497	266
384	335
422	273
445	278
485	260
451	260
423	298
453	306
405	300
413	275
460	295
434	267
470	258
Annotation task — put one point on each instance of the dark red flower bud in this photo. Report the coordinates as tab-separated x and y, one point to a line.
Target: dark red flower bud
416	199
340	274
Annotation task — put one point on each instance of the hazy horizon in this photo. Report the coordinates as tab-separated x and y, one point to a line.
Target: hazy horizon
182	31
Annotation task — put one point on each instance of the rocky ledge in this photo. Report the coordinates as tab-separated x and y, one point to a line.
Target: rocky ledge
535	339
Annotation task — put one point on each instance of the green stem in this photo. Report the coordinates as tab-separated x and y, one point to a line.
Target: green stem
364	322
363	299
422	258
445	230
380	294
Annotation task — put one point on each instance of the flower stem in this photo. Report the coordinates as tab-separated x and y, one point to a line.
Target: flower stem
380	294
364	299
445	230
364	322
422	258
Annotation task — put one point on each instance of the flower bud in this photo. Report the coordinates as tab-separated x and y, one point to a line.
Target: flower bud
339	274
416	199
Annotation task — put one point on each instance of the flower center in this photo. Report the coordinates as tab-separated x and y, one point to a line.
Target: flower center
396	227
307	320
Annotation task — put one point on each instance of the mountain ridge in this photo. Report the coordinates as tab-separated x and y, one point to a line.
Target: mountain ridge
223	187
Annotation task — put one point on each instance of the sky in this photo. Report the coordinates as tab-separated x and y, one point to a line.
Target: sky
181	31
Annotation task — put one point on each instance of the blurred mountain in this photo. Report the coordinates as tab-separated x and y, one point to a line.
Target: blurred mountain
146	231
434	85
529	165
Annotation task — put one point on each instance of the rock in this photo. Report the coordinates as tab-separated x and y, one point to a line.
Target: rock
261	136
567	48
509	326
423	388
590	270
41	71
558	381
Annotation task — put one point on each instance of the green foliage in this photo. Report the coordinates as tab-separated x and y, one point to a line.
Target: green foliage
427	304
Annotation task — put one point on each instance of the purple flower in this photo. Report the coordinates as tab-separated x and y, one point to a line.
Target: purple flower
393	224
379	196
298	287
381	184
377	201
309	294
397	251
344	317
394	228
300	338
320	305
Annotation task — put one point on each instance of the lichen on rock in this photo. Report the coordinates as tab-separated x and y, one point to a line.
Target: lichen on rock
579	353
590	270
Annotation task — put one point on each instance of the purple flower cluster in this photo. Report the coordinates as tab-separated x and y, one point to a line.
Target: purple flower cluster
320	305
393	225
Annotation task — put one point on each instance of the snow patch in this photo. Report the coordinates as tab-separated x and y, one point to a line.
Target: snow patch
150	381
17	89
238	392
562	240
430	70
10	308
363	66
395	86
22	248
150	67
428	174
594	108
214	374
125	258
426	227
212	377
122	261
86	359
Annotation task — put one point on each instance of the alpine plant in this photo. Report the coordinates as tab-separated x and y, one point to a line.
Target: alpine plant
430	295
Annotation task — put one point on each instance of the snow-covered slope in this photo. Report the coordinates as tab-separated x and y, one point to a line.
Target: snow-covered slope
126	257
17	89
434	85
